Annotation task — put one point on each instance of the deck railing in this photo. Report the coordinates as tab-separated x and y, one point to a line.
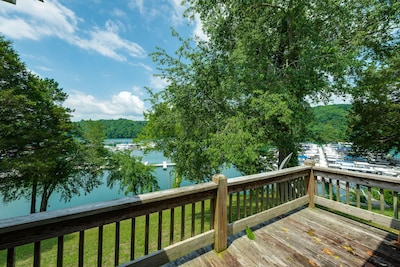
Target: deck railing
373	198
155	228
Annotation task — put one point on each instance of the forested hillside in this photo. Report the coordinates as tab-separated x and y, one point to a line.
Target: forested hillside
330	124
121	128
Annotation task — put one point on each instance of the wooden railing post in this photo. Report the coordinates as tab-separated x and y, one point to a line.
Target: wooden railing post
310	183
220	216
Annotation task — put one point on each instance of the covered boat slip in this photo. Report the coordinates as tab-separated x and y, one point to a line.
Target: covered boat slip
304	237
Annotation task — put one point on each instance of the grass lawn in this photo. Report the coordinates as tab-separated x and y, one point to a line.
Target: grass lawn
24	254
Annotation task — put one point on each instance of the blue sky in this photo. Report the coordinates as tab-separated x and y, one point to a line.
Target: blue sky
97	50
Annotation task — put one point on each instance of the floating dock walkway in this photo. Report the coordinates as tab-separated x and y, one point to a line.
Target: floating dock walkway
164	164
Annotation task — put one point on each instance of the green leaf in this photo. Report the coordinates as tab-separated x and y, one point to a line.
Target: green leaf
250	233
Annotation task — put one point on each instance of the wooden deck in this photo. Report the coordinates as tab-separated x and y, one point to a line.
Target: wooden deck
305	237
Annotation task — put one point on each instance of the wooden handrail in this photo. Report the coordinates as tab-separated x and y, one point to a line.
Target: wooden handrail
359	179
234	204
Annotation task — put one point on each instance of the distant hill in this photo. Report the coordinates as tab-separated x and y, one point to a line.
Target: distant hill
121	128
330	123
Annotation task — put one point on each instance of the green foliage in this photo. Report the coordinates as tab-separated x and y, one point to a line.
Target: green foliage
374	119
246	87
329	125
131	174
388	196
250	233
121	128
38	152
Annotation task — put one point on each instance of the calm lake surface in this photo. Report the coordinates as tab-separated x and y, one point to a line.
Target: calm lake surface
102	193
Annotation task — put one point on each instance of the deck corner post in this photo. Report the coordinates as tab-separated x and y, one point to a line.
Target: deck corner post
310	183
220	217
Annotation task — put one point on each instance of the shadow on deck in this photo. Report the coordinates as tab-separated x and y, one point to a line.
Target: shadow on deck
304	237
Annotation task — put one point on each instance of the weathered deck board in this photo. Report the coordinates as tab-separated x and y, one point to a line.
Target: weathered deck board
307	237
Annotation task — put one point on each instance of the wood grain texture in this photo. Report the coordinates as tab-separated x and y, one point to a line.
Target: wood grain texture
305	237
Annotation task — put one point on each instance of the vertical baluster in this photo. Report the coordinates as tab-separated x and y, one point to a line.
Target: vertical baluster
279	196
159	238
395	205
369	198
316	186
230	209
300	185
290	189
257	191
286	188
237	205
36	255
330	190
193	219
323	186
338	190
146	235
171	226
212	211
251	201
100	247
347	193
358	198
60	251
244	203
267	196
262	198
11	257
117	241
182	222
133	238
81	248
202	217
273	195
283	192
382	200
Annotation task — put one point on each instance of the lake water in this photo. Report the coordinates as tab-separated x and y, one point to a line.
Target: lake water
102	193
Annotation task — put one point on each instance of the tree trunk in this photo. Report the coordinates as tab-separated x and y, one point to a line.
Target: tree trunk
47	191
44	202
33	197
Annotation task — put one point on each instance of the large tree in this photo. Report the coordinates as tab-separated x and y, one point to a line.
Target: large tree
246	88
38	153
375	116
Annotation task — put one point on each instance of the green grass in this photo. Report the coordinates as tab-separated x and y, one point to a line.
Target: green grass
24	254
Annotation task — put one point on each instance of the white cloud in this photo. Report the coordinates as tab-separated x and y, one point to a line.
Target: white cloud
147	11
171	10
39	20
198	29
35	20
122	105
108	43
133	4
119	13
158	83
177	12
